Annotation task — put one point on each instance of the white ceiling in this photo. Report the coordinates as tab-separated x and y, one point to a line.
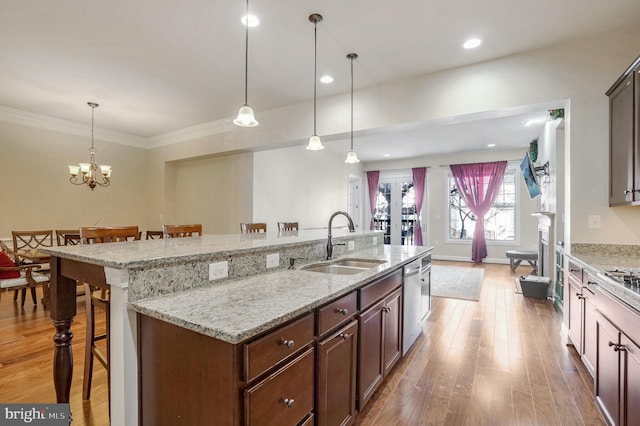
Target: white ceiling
158	66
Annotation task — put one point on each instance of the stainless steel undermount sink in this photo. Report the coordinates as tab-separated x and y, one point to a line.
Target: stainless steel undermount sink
343	266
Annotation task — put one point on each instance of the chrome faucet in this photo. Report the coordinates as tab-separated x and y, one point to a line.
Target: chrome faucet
330	243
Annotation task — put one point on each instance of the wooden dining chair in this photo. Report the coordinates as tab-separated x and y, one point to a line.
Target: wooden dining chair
17	277
95	296
154	235
287	226
68	237
179	231
27	244
250	228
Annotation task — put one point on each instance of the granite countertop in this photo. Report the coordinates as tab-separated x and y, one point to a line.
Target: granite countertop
134	254
236	310
605	257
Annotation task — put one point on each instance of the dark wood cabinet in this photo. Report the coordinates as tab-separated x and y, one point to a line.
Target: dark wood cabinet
337	363
380	345
285	397
392	340
624	139
317	368
617	380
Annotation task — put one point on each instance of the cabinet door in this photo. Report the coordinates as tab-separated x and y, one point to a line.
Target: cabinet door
370	361
589	334
574	306
607	370
392	340
337	361
621	140
631	381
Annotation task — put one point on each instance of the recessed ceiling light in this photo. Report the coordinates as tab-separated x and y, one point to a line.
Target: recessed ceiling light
387	155
253	21
326	79
472	43
491	145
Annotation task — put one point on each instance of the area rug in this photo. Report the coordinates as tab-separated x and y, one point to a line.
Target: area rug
456	282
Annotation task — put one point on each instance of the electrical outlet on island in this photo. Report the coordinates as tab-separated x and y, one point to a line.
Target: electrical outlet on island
273	260
351	245
218	270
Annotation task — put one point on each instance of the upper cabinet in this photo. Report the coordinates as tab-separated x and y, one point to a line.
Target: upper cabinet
624	143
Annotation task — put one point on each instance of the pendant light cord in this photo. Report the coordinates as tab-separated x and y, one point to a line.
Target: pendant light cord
352	104
93	110
315	71
246	55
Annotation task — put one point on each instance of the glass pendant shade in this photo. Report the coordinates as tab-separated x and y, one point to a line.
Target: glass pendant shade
245	117
351	157
315	144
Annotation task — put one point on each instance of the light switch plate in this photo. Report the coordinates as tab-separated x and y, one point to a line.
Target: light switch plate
273	260
375	241
594	221
218	270
351	245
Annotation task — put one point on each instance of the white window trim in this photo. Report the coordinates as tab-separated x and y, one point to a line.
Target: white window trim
511	166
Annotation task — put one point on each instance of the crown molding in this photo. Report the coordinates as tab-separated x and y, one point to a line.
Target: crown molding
16	116
190	133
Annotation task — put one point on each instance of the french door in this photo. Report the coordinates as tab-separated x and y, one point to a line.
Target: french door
395	212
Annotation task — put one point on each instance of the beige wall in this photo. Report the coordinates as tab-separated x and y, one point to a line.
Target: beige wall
36	193
216	192
293	184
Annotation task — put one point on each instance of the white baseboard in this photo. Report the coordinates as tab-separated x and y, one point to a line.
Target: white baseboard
467	259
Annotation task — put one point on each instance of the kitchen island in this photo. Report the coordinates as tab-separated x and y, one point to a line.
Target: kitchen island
169	280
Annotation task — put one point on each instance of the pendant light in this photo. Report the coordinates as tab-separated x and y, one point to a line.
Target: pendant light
351	156
315	143
245	116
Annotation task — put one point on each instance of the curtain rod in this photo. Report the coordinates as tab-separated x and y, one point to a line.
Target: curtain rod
508	161
396	170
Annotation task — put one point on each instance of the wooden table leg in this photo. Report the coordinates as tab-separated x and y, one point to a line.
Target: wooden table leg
62	295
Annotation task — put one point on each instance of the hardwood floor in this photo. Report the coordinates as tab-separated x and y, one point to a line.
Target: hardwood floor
499	361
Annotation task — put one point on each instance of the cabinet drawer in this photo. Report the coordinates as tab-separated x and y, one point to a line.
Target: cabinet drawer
379	289
337	312
283	398
264	353
575	271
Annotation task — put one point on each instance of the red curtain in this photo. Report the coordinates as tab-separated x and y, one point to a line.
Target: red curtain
372	179
470	181
419	175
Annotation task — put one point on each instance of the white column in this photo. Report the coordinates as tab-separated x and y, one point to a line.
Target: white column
123	361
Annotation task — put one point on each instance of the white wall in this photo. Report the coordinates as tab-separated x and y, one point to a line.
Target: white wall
36	193
437	202
296	185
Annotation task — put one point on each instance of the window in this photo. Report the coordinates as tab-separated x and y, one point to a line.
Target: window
395	212
500	220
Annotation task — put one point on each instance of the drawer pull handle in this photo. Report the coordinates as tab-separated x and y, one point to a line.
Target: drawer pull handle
289	402
344	336
288	343
617	347
342	311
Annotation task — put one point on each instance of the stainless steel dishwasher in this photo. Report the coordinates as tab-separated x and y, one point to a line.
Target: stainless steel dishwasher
415	302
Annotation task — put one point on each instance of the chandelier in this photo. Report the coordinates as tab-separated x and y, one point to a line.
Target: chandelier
89	170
